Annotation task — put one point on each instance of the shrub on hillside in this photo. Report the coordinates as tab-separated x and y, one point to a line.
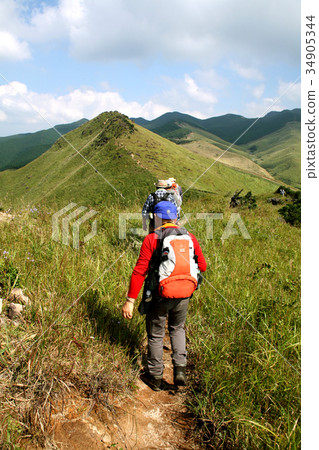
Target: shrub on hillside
247	200
292	212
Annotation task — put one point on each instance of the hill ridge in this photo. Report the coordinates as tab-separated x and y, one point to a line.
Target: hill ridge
128	156
229	126
19	149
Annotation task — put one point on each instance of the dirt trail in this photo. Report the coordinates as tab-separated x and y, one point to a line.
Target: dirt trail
147	420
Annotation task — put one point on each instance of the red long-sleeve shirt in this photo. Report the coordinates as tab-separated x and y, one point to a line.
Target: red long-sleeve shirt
148	247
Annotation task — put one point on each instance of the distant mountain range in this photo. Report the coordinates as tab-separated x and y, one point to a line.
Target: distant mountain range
269	149
20	149
229	127
273	141
125	160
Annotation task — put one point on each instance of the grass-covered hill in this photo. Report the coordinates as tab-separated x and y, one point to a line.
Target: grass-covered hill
228	127
72	356
18	150
272	143
206	144
111	152
279	153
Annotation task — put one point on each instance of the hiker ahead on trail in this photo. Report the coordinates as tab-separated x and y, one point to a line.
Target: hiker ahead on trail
172	259
165	192
178	191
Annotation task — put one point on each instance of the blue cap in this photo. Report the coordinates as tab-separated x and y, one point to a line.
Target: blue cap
166	210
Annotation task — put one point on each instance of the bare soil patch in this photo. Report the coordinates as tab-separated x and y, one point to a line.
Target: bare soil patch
143	420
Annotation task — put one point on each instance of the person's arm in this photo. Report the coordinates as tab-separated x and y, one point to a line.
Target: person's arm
138	276
202	265
128	307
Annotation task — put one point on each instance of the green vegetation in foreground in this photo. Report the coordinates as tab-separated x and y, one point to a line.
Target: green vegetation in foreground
122	156
242	391
20	149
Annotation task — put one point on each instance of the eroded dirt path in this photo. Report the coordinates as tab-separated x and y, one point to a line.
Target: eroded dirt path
146	420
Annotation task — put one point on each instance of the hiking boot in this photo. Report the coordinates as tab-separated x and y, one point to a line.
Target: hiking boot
180	375
154	383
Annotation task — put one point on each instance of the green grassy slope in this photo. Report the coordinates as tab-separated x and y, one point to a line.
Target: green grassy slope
20	149
243	325
228	127
127	157
206	144
279	153
277	136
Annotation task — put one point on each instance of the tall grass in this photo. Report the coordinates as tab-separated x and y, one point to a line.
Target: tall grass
244	334
72	335
243	326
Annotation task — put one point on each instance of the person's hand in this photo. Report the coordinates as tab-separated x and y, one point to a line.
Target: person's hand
127	309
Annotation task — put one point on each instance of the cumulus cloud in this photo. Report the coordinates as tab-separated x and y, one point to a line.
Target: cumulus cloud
30	111
13	45
258	91
211	79
249	73
26	111
187	95
288	97
104	30
12	49
195	92
118	30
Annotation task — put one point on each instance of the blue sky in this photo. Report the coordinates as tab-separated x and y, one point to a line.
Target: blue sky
67	59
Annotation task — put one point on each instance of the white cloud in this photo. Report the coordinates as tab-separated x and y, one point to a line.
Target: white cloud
196	93
288	97
258	91
249	73
211	79
188	96
290	92
12	89
11	49
259	109
27	111
109	29
104	30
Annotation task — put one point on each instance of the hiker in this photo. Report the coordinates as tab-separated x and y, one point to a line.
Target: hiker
177	189
282	192
172	259
163	192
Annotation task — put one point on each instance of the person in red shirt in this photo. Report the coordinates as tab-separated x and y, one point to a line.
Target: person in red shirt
161	308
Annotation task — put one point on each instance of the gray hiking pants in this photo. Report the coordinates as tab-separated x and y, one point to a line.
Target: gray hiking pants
175	310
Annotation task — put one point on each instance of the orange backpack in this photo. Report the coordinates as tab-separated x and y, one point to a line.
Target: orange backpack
178	269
